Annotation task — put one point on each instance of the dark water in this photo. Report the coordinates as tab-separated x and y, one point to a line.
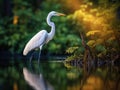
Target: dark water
57	75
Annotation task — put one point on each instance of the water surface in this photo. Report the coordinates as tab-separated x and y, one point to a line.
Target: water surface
56	75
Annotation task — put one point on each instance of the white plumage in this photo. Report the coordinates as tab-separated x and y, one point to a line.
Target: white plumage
38	40
43	36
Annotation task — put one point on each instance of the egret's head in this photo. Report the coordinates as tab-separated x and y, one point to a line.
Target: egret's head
54	13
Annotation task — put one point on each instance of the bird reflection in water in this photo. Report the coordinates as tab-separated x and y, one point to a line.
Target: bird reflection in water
37	81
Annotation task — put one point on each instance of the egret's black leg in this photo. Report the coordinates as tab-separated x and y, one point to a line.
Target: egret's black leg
39	68
39	57
30	61
39	61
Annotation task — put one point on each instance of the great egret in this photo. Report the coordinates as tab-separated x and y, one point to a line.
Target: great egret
42	37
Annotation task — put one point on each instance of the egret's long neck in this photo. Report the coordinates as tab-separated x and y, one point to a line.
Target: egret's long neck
52	32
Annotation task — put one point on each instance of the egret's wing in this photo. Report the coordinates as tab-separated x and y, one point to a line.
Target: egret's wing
36	41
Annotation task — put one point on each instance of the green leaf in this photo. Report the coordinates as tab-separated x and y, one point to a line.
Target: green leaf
71	49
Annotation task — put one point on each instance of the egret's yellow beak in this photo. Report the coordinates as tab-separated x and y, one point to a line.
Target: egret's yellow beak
60	14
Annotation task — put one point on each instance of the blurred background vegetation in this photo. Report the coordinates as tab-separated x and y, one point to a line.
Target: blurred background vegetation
21	19
99	20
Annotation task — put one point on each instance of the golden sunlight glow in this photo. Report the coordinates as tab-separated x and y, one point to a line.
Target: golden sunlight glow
72	5
94	21
15	19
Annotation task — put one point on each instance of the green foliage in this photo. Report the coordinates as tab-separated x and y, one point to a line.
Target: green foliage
65	36
28	19
71	49
98	21
100	48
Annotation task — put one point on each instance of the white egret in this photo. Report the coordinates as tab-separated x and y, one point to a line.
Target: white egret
42	37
